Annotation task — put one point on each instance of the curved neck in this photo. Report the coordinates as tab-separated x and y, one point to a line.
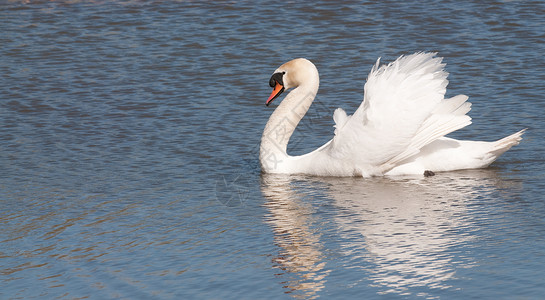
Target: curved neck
283	121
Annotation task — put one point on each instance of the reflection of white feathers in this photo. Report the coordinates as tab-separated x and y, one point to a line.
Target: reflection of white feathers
407	229
399	127
403	234
300	254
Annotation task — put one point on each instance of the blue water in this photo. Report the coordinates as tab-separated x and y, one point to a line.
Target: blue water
129	135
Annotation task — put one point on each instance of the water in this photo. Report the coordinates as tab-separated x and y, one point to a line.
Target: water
128	154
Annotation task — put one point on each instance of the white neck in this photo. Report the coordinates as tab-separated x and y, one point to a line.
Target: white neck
274	142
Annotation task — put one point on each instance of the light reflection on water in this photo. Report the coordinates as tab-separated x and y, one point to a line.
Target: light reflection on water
129	136
300	255
402	233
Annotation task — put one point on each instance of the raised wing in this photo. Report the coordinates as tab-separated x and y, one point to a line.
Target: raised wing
403	110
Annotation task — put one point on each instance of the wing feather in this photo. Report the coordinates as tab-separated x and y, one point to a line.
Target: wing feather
403	110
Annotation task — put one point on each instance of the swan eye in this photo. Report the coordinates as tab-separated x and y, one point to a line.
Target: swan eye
276	78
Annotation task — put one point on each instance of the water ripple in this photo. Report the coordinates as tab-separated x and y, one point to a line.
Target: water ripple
130	133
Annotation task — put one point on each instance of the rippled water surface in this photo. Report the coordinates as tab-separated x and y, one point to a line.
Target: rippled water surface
129	135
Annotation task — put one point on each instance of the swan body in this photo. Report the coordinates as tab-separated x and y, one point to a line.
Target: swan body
398	129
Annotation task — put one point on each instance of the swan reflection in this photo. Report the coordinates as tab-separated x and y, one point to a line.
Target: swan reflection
300	247
401	233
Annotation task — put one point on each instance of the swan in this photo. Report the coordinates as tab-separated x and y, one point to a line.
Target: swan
398	129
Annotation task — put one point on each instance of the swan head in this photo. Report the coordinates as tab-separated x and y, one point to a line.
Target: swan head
290	75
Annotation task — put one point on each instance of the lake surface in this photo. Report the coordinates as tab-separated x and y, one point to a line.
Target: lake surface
129	154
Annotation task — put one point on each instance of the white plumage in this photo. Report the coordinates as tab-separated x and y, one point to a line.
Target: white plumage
399	127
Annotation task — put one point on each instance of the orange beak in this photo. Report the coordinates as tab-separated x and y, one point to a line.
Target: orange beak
278	89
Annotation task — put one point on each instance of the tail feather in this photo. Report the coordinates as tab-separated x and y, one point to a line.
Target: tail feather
500	146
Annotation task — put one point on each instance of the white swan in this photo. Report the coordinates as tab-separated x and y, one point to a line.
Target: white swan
398	129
